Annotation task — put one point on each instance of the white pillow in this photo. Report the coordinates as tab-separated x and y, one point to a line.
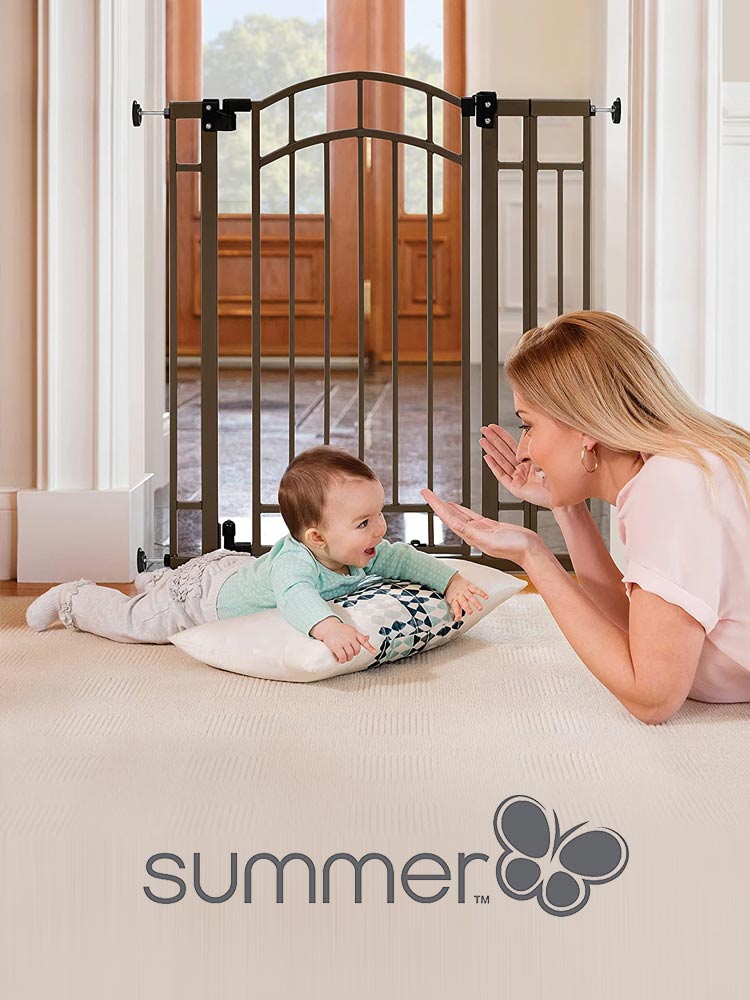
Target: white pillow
401	619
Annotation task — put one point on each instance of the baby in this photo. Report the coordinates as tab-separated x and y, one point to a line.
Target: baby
332	503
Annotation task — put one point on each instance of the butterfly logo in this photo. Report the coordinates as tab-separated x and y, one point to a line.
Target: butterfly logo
559	869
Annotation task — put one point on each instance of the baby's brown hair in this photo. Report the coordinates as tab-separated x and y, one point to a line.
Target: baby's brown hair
305	485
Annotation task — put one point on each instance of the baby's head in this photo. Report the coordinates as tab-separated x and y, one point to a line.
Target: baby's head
332	503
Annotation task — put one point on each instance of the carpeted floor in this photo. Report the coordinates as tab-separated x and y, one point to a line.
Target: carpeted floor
112	753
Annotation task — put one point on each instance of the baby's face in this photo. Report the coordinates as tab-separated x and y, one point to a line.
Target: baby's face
353	521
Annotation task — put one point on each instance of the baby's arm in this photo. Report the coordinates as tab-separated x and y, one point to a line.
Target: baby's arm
295	587
400	561
294	583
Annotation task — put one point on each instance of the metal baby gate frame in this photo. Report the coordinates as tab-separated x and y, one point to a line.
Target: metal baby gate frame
484	108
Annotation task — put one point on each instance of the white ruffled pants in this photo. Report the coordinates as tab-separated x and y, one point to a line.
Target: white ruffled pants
169	601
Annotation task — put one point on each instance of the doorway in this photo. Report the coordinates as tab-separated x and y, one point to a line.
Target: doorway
258	53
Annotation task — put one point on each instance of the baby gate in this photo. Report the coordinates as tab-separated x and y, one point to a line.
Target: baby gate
484	110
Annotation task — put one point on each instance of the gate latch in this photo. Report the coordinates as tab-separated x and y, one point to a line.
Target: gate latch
483	105
220	116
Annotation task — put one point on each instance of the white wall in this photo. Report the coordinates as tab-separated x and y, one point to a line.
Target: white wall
87	411
524	50
17	267
540	48
733	360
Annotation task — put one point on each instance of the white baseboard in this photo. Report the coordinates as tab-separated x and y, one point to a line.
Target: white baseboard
8	533
68	534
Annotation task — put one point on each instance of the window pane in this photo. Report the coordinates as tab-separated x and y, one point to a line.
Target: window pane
253	48
423	61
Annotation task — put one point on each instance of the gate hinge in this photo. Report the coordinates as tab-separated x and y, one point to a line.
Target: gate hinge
483	105
221	116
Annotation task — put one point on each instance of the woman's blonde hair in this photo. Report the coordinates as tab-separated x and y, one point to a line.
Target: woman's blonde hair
596	373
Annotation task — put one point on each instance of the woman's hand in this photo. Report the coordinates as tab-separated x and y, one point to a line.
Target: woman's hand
460	596
522	479
495	538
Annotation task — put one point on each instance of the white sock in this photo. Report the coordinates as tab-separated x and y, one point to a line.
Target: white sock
45	610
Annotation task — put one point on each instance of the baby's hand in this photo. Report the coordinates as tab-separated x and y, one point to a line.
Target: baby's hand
344	641
459	595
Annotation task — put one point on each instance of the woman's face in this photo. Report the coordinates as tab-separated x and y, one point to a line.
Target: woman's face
554	448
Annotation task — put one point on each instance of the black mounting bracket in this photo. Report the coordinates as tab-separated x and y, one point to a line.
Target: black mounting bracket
483	105
228	529
615	109
221	116
229	541
137	113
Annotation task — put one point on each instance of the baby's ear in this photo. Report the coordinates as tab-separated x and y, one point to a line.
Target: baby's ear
313	537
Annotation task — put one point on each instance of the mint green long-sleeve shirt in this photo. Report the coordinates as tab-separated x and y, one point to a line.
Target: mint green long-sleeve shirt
290	578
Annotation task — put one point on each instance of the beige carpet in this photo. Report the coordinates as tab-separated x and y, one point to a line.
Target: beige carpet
111	753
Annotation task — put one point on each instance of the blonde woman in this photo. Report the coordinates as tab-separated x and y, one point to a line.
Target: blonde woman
603	416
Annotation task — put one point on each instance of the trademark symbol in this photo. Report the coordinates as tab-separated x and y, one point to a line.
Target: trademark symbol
481	899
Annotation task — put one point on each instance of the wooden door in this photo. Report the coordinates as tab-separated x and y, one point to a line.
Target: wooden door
360	34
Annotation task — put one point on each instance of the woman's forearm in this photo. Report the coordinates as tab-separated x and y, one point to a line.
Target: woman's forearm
594	567
603	647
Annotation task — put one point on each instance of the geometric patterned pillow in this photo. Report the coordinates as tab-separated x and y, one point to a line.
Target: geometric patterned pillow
401	617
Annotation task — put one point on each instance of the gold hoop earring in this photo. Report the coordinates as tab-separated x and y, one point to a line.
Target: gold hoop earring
583	459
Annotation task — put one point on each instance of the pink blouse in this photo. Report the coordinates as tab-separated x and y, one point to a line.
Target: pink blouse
695	554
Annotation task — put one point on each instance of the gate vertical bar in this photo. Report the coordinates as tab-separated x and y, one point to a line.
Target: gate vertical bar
586	212
430	331
292	289
560	244
209	345
173	470
490	346
255	536
530	167
530	249
327	293
394	316
465	316
360	275
586	121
